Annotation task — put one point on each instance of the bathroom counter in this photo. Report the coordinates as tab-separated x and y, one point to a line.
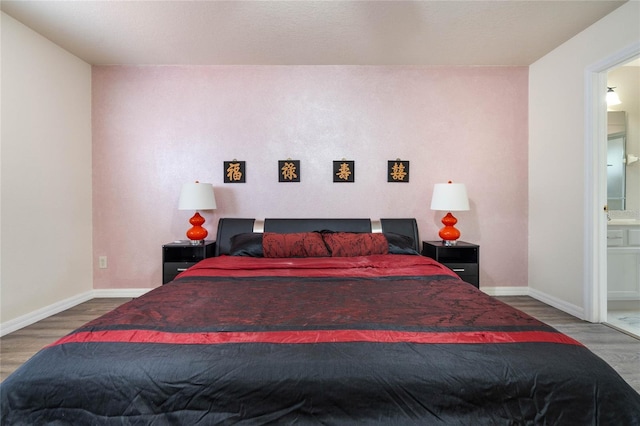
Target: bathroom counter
624	222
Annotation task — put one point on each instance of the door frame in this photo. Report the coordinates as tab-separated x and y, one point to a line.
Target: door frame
595	182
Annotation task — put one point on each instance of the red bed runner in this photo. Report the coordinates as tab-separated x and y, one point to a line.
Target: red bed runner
316	336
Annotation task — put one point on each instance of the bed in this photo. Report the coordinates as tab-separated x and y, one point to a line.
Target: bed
317	321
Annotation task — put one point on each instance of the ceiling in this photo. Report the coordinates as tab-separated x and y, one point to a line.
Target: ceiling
307	32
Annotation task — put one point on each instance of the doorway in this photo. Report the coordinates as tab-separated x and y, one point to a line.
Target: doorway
596	219
623	199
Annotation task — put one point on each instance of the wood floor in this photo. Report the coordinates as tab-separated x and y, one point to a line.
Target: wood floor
19	346
621	351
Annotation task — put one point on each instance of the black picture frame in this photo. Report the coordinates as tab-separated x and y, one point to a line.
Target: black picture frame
288	170
235	172
398	171
344	171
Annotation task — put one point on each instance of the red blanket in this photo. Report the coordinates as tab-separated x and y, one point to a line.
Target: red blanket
356	299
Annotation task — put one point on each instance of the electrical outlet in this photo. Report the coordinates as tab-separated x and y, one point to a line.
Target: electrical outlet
102	262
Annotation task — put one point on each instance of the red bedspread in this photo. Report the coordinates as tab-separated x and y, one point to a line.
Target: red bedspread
377	299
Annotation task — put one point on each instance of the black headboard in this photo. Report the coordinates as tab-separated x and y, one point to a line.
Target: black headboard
228	227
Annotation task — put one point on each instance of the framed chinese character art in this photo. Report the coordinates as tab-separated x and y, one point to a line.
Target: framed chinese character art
344	171
234	172
398	171
289	170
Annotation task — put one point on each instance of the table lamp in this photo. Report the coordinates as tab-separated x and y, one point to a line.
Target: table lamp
449	197
197	196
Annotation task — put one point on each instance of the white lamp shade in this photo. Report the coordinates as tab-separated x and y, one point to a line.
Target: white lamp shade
449	197
197	196
612	97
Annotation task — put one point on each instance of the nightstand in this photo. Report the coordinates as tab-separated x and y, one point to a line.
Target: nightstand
180	255
463	258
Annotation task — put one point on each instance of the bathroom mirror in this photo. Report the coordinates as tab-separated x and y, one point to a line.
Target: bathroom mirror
623	133
616	155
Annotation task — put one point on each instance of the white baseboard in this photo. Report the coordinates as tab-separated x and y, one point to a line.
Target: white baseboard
55	308
42	313
120	292
506	291
569	308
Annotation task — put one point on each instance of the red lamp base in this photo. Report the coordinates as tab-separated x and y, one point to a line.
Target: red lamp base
197	233
449	233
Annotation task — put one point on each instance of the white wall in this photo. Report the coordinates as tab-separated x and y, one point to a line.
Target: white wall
557	193
46	220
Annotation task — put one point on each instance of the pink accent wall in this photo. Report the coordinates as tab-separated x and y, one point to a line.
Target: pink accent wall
157	127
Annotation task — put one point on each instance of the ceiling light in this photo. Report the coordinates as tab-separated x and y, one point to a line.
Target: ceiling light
612	97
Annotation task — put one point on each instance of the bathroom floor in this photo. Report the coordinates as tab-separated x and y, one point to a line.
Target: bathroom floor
625	317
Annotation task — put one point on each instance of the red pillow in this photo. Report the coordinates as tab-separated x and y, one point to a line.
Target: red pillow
303	244
346	244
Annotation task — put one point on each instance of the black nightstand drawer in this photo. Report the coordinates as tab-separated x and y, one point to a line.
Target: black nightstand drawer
177	253
462	268
460	253
468	272
171	269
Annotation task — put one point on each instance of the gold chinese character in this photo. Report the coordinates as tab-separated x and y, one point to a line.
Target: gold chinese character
289	171
397	171
344	172
233	172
